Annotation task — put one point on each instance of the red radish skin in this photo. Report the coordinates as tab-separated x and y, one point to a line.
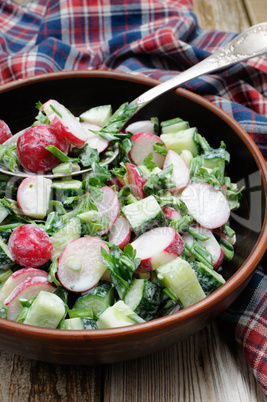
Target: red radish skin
30	245
135	180
171	213
156	247
115	182
33	196
31	148
80	265
120	233
109	206
27	289
16	278
143	145
5	132
93	140
65	122
209	207
180	172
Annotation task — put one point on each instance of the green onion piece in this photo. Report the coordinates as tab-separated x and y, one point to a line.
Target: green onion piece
197	234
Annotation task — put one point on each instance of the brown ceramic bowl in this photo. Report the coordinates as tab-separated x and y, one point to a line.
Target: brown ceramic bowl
80	90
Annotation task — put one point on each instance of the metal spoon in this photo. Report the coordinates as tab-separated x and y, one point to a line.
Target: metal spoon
250	43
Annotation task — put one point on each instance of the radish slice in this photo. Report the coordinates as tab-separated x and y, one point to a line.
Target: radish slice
156	247
180	172
143	145
65	122
171	213
16	278
109	206
80	264
33	196
141	126
27	289
208	206
135	180
120	233
94	140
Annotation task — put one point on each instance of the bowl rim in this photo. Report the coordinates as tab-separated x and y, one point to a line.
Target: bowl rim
244	272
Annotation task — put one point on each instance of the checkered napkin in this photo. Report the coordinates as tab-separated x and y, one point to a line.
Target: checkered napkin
158	39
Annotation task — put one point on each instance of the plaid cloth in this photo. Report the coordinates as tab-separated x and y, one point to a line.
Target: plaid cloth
158	39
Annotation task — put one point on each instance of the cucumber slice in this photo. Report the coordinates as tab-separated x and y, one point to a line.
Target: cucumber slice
4	275
47	310
3	212
178	276
118	315
209	279
98	299
144	215
175	127
66	168
78	323
72	323
170	122
97	115
66	188
144	298
63	236
181	140
6	260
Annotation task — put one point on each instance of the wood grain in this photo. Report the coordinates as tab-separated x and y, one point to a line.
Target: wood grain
226	15
204	367
257	10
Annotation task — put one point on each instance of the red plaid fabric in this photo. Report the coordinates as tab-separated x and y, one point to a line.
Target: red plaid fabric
158	39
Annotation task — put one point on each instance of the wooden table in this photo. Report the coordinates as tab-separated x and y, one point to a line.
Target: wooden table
204	367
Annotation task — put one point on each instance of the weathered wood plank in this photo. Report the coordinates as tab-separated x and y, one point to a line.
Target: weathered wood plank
257	10
226	15
201	368
25	380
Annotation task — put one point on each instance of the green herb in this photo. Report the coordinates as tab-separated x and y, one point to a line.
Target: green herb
155	122
60	155
41	118
53	223
200	253
118	119
56	111
197	234
52	273
170	294
8	157
159	182
149	164
182	225
160	148
88	156
122	265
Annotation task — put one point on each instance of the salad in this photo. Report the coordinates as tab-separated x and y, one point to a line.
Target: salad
131	240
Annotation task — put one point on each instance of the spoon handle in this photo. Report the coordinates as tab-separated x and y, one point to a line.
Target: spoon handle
250	43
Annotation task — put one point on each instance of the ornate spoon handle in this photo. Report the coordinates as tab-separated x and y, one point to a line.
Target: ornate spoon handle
250	43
